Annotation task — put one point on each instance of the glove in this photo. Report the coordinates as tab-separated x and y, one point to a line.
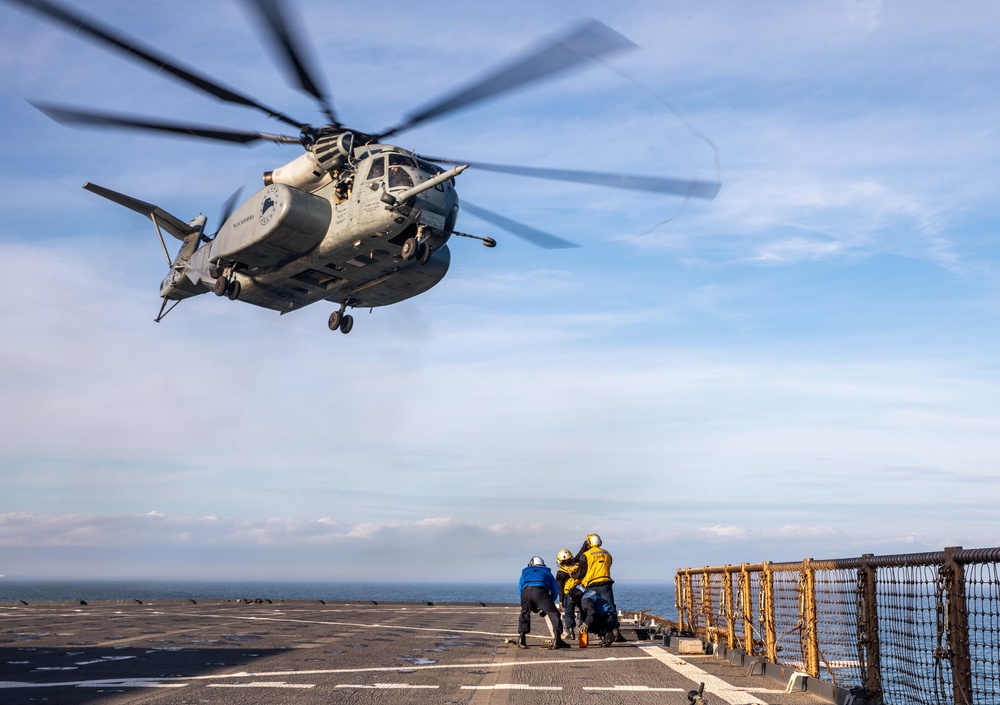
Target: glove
583	628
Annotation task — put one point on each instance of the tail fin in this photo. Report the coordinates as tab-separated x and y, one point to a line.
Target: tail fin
183	281
172	224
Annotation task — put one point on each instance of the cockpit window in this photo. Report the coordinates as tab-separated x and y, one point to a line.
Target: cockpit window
377	170
399	177
396	159
428	167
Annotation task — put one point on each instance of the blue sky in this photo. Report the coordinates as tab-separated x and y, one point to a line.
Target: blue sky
804	367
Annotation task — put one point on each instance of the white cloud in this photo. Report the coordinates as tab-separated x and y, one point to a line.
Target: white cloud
532	393
795	250
865	14
118	546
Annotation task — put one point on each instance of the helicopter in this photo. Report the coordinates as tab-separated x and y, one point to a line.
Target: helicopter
353	219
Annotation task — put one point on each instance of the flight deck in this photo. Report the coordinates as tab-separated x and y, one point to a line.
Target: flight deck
311	652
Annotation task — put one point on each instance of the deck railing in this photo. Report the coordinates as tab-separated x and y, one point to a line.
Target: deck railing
919	628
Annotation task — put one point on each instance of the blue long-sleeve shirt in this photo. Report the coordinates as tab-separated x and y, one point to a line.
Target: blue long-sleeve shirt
538	576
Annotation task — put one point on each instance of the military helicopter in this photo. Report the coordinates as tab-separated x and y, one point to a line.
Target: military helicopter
352	220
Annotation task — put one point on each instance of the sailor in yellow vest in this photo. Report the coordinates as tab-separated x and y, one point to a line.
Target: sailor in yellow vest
594	571
565	580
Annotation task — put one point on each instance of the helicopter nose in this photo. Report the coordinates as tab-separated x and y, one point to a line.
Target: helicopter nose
167	284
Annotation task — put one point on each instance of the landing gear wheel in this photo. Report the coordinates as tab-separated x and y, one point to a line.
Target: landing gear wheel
423	253
221	284
334	321
410	247
233	290
347	324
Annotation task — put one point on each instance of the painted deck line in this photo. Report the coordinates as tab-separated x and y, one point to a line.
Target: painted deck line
99	683
261	684
386	686
511	686
181	681
408	669
360	625
714	685
634	688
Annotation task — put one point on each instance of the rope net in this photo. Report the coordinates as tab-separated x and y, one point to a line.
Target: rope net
908	629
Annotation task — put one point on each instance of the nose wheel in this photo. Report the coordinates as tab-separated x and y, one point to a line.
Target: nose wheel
342	321
419	249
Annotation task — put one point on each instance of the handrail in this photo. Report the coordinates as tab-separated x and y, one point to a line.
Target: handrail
903	628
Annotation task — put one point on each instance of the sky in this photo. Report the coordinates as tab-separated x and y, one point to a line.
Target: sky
804	367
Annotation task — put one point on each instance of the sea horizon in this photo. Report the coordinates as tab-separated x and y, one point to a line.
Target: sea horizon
658	598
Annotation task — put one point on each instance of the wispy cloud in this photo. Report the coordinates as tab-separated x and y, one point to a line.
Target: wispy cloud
824	326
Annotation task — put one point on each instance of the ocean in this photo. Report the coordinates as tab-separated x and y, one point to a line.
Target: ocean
658	598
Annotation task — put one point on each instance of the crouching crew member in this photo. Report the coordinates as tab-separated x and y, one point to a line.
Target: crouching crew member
538	594
566	582
597	616
594	572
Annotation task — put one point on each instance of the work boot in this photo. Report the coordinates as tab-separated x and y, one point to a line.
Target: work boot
570	634
560	644
522	643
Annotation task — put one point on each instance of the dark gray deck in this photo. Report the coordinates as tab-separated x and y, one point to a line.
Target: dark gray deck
307	652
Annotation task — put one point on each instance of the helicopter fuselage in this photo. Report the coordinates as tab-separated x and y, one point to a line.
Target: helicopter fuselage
351	220
311	235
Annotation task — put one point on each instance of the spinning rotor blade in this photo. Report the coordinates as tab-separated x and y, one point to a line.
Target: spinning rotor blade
532	235
134	50
71	116
227	209
629	182
589	41
229	206
270	12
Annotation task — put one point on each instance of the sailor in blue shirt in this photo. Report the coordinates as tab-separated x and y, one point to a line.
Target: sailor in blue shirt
538	594
597	615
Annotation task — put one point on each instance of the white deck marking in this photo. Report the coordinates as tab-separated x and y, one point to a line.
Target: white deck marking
386	686
511	686
636	688
714	685
103	683
437	666
360	625
174	681
261	684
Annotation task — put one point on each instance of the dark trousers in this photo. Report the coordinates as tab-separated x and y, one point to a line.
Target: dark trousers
537	599
569	612
607	592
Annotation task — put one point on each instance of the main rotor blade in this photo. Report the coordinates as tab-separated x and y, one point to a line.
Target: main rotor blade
133	49
227	208
270	12
532	235
589	41
71	116
630	182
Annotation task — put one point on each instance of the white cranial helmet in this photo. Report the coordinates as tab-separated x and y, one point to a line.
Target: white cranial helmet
536	560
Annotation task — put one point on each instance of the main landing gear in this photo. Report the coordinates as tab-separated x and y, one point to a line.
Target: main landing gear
225	283
224	286
341	320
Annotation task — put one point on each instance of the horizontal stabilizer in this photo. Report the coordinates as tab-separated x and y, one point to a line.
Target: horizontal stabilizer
172	224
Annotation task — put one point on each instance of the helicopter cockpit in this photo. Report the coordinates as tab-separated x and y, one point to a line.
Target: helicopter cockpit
399	170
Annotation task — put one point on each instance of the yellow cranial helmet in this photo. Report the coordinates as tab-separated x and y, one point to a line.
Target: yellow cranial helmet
594	540
564	555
